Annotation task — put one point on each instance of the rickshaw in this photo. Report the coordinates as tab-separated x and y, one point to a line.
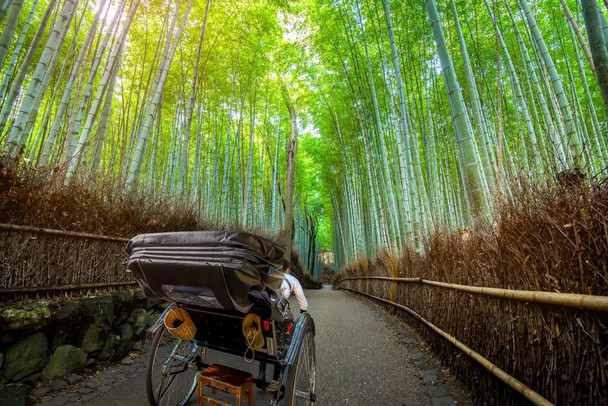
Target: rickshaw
222	288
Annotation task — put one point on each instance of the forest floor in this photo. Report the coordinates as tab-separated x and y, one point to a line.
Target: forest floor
365	356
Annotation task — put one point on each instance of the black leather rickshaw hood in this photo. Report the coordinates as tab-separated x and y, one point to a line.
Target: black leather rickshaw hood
215	269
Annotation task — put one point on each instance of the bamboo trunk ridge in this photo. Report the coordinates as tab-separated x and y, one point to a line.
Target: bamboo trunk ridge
516	385
575	300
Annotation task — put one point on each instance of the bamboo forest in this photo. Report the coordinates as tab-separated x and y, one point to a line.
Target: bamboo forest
464	142
405	116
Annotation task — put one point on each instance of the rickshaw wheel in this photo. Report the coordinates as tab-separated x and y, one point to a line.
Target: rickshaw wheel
173	369
300	390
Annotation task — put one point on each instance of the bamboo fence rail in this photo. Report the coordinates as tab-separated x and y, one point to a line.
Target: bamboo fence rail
517	386
13	227
41	263
64	288
579	301
553	342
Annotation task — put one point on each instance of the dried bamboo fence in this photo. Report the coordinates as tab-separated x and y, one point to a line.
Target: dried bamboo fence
38	263
548	347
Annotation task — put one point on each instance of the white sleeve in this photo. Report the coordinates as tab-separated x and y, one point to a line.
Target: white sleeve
299	292
285	289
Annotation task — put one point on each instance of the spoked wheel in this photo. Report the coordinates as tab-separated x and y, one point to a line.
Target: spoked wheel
301	376
173	368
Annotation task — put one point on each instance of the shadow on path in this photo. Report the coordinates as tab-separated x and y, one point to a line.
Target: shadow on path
365	357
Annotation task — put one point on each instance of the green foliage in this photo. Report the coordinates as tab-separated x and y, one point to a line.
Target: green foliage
364	179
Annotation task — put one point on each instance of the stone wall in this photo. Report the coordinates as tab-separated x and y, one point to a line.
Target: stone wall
50	343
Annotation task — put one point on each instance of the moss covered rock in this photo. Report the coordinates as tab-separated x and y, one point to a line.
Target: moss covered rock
123	306
152	318
97	317
64	321
14	395
98	309
25	357
94	337
109	348
125	343
138	319
66	360
31	316
30	380
6	338
140	300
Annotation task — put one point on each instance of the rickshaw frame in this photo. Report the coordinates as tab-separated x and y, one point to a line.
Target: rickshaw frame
296	385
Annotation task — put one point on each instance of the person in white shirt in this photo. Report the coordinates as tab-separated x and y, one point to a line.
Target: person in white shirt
291	286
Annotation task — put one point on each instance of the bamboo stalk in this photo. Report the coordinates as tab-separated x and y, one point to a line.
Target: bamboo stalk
579	37
512	382
13	227
12	291
576	300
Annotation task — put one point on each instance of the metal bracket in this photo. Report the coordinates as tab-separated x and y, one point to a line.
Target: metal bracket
159	322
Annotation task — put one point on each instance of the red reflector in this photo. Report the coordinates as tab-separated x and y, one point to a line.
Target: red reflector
266	325
289	326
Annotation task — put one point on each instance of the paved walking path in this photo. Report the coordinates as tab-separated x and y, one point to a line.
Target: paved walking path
365	357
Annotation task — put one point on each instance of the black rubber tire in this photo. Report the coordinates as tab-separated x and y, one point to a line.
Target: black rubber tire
172	369
301	376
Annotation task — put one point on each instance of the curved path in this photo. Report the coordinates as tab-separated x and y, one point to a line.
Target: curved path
365	356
